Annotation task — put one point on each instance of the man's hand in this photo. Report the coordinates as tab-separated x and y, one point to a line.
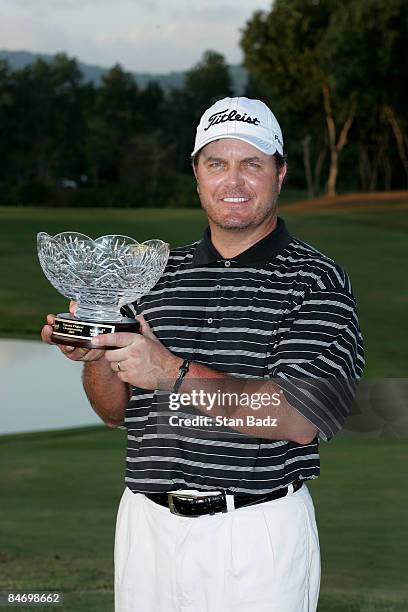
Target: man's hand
143	359
71	352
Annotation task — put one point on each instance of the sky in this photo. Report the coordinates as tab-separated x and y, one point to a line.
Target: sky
155	36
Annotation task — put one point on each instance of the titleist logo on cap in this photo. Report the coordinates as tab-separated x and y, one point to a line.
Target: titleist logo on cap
243	119
222	116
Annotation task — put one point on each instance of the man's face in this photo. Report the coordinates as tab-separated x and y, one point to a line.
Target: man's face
238	184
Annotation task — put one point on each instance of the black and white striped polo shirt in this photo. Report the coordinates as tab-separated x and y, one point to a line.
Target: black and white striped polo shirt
280	309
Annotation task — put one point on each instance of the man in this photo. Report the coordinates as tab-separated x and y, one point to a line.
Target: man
247	310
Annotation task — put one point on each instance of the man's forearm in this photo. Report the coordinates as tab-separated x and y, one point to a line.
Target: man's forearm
273	418
107	394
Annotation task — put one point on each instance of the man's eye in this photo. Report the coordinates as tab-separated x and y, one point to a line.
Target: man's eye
254	165
216	164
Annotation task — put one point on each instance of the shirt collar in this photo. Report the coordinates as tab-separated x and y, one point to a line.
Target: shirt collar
259	253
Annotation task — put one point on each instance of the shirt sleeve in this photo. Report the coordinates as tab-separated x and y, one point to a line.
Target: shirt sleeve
319	357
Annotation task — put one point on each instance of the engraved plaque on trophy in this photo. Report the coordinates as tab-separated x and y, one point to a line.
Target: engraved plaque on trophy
102	276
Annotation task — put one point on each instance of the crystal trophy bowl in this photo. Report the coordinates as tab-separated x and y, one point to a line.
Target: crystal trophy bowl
101	275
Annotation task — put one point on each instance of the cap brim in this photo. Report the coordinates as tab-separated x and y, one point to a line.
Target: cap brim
262	145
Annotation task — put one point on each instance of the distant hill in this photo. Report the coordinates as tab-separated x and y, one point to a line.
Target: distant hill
19	59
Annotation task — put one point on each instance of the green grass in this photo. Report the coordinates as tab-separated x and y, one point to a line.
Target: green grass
369	240
26	295
371	243
60	492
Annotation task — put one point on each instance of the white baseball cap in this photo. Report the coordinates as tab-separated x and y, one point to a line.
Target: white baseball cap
248	120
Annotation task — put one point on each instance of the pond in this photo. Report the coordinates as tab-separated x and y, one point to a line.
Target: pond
40	389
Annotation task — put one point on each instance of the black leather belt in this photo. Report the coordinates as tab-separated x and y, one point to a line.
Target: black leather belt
185	504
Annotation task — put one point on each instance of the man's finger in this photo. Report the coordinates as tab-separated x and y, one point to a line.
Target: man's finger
119	354
145	328
123	376
46	334
118	339
66	349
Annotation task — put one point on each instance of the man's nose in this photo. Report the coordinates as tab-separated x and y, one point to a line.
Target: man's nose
234	176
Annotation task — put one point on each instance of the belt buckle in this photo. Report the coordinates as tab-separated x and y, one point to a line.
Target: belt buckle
172	507
175	494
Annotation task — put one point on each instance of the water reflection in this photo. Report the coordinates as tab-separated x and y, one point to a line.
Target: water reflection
40	389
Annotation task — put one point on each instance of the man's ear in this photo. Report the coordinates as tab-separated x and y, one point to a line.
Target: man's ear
281	175
195	171
196	177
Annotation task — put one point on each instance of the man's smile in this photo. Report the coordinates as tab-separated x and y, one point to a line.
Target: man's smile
235	200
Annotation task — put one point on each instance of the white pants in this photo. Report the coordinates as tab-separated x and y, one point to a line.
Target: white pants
262	558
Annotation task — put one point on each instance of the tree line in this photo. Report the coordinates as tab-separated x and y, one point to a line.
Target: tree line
336	74
69	142
333	73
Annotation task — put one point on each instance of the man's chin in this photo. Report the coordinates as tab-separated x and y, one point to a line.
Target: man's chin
231	225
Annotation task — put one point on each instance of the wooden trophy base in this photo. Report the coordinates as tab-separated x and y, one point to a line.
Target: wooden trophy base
72	332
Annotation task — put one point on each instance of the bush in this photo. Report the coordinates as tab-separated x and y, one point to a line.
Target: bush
173	190
32	193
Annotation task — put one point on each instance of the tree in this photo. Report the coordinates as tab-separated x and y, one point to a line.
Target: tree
205	83
334	71
373	36
151	108
282	50
48	119
141	165
117	100
111	123
6	119
208	81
